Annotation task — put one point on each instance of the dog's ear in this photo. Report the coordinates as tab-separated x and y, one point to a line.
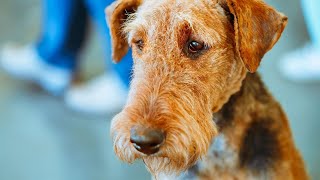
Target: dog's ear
257	26
116	15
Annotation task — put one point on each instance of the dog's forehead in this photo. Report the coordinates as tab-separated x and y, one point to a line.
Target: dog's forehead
152	8
172	3
168	15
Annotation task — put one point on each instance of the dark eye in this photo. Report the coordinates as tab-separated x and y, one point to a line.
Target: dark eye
195	47
140	44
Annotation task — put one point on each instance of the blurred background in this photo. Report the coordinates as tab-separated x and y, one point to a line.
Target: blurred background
41	139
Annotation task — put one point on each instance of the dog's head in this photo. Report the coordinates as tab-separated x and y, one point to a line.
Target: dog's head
189	58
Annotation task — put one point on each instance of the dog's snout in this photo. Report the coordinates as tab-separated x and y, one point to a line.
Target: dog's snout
146	140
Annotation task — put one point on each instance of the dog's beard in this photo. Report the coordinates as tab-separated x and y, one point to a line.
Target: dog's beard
124	150
179	153
188	138
169	163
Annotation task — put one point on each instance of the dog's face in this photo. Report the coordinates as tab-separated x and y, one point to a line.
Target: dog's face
189	58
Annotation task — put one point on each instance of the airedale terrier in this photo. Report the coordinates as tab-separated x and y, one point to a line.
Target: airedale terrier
194	111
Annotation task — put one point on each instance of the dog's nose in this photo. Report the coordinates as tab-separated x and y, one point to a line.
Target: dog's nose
146	140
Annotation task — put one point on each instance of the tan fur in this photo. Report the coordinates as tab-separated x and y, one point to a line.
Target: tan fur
266	29
177	94
225	163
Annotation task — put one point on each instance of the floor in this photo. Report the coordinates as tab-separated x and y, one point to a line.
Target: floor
41	139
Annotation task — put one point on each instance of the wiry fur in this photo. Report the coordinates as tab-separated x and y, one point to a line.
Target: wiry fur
174	92
254	143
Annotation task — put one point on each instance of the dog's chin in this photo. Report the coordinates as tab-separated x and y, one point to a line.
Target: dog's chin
168	161
167	165
183	146
179	152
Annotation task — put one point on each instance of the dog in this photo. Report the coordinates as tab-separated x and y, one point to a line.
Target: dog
197	109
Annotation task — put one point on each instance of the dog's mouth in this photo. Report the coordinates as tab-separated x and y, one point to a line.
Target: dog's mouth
167	145
173	155
157	164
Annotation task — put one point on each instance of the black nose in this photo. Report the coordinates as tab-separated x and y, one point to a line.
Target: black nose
146	140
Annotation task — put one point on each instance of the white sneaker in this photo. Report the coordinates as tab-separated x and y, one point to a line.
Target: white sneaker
105	94
25	63
302	65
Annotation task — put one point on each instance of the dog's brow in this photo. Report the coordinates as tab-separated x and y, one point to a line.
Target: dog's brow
134	28
200	27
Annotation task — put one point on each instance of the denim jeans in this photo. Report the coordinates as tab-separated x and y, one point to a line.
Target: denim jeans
312	14
64	31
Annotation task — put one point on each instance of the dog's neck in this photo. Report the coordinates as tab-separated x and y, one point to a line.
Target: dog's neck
254	137
252	131
252	92
247	133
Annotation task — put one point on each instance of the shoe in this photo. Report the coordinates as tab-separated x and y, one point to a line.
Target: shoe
302	65
25	63
105	94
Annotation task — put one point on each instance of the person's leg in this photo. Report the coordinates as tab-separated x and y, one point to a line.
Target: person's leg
108	92
303	64
123	68
63	32
50	62
311	15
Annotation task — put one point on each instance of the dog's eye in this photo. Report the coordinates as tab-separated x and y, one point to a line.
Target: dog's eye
139	44
195	47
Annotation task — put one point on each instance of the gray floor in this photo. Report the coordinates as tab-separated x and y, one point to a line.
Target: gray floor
40	139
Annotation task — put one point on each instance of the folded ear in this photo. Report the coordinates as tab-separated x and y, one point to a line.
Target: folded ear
116	15
257	26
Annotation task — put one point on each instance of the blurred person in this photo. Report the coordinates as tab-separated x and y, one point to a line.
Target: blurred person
303	65
52	61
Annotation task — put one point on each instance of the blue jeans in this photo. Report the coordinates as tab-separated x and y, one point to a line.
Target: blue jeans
312	14
64	31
